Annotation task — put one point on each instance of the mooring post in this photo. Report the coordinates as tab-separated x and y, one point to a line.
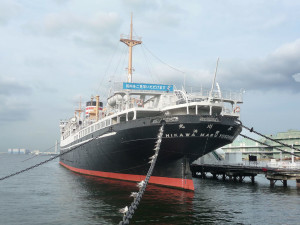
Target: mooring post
224	177
234	178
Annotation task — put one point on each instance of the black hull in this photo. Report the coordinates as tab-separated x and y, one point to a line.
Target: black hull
122	151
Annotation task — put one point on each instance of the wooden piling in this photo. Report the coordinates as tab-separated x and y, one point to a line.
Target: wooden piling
284	183
240	178
253	179
238	173
298	183
272	182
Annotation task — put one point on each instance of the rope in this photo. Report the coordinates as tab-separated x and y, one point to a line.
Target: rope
148	65
129	211
121	61
30	158
108	66
180	71
269	145
278	142
41	163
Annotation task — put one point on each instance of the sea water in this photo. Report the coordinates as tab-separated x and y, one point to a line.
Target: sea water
51	194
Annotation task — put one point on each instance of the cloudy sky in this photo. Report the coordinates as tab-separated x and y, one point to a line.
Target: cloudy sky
54	51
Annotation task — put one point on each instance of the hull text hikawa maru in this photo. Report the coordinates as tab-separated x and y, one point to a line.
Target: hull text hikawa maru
118	141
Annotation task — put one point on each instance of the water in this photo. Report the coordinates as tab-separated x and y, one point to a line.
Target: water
51	194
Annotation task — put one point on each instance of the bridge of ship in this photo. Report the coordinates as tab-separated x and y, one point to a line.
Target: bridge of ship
132	104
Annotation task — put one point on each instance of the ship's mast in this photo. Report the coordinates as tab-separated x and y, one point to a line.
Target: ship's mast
214	81
79	111
97	107
130	43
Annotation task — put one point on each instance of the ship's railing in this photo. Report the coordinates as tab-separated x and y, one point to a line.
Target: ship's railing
182	97
116	108
192	96
126	36
224	95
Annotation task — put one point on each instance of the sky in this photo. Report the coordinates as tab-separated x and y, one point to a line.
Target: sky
53	52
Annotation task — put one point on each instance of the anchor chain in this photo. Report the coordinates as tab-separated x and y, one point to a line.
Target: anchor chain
129	211
278	142
268	145
41	163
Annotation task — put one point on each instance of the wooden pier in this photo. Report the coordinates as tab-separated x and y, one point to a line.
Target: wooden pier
239	172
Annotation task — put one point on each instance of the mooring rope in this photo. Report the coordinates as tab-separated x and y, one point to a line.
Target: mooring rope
41	163
244	136
271	139
129	211
30	158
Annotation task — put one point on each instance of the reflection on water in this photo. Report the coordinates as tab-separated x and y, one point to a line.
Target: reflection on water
244	203
51	194
158	203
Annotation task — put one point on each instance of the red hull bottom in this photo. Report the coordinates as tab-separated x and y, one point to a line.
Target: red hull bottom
186	184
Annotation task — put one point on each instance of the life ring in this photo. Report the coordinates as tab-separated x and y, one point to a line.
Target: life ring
237	109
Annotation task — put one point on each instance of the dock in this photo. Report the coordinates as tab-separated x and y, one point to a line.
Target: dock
273	171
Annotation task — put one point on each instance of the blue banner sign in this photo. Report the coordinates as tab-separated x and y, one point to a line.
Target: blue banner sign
150	87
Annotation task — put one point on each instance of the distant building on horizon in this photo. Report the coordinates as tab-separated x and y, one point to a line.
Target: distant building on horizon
22	151
249	147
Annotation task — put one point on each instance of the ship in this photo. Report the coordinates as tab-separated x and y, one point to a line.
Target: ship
116	141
